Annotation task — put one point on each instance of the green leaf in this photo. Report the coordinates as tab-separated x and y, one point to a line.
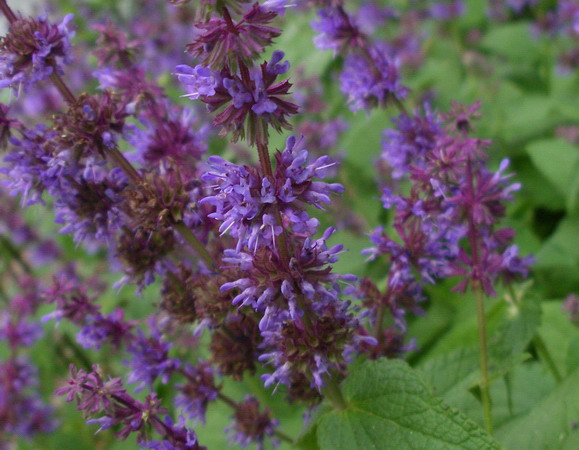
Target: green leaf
522	317
308	440
391	407
558	160
558	260
513	41
528	117
560	336
551	424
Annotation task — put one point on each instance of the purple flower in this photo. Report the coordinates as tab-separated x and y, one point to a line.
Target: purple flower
250	426
249	101
71	298
278	293
94	395
18	332
32	168
197	392
337	31
169	134
100	329
222	41
410	141
245	200
370	80
33	49
449	10
150	359
278	6
91	392
198	81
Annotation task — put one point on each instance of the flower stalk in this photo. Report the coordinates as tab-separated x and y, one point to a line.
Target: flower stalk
484	361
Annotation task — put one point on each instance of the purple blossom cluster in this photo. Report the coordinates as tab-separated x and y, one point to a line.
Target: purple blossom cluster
246	201
96	395
446	226
371	68
33	50
248	102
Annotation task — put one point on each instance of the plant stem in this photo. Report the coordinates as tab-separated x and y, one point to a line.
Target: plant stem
15	253
544	354
334	393
62	88
125	165
7	11
196	244
484	360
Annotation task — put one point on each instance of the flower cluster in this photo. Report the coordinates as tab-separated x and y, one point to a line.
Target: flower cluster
248	102
33	50
94	394
279	274
446	225
247	200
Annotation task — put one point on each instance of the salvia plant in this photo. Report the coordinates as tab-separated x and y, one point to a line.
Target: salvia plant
285	223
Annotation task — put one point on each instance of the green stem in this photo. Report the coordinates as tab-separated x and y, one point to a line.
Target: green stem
544	354
333	392
196	244
484	360
15	253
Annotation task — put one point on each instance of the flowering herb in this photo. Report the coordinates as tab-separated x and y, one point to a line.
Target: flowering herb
237	244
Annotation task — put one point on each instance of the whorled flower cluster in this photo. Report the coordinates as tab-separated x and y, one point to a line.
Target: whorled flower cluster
248	101
246	200
33	49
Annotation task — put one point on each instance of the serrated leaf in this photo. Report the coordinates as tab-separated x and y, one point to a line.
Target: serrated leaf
391	407
551	424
